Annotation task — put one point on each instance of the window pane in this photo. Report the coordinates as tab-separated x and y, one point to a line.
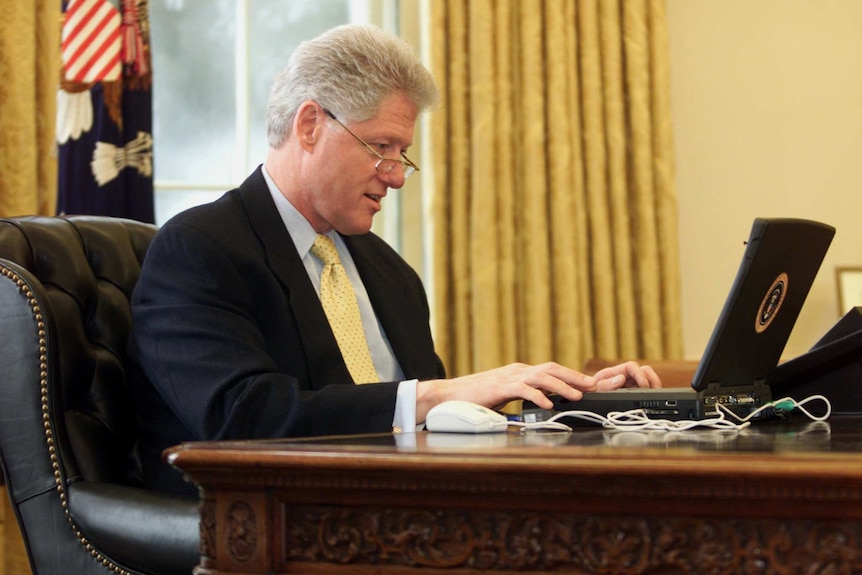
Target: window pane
276	27
171	202
193	89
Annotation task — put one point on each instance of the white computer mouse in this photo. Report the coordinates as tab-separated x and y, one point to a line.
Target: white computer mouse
458	416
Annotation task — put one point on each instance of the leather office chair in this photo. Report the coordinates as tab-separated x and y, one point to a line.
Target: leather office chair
67	432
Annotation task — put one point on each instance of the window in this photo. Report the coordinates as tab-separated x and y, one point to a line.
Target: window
213	63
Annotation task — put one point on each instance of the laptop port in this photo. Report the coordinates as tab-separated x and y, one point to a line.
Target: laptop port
739	399
670	402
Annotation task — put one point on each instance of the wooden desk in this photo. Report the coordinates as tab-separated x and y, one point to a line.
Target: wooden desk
779	498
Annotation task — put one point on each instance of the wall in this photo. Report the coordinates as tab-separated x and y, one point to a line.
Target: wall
767	111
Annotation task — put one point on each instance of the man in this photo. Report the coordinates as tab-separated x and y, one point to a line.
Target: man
230	333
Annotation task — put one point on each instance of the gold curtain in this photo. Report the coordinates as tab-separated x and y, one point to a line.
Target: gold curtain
554	209
29	72
13	555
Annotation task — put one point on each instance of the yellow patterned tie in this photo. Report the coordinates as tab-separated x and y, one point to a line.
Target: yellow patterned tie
342	311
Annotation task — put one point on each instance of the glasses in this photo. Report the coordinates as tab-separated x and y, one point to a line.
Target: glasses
384	165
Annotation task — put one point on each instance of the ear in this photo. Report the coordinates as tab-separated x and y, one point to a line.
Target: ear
308	123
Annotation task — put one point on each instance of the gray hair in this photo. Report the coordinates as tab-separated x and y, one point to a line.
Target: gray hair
348	70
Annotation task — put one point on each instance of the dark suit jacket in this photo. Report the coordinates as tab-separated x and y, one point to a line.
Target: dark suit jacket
229	340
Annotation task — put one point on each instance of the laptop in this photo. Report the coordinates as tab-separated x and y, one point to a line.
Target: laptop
779	263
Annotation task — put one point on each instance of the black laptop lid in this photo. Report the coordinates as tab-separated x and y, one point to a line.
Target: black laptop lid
781	259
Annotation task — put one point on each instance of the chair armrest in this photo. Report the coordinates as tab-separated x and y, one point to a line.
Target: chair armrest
147	530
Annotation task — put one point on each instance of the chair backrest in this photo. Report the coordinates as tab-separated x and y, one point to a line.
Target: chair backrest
67	430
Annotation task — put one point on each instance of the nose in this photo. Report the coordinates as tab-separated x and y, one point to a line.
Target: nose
394	179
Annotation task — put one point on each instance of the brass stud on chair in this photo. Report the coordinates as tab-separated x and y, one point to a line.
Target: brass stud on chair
46	418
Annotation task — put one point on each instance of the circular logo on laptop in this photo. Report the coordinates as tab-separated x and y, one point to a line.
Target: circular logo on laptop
771	303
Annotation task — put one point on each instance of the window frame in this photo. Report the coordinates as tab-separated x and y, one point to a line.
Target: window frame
395	16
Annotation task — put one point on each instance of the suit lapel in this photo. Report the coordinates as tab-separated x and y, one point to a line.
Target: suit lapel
282	258
395	304
394	299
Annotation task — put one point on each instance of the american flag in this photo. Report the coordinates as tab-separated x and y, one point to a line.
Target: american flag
104	110
91	41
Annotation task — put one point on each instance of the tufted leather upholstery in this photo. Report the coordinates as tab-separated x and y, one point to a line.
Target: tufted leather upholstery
67	432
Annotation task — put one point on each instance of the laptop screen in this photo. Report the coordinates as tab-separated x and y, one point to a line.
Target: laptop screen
781	259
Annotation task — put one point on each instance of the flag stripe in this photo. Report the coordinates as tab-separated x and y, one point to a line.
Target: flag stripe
85	32
91	41
103	47
107	68
87	41
77	17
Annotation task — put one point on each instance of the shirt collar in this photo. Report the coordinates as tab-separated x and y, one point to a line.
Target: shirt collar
301	232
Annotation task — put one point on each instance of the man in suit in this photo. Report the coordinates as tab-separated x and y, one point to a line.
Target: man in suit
230	338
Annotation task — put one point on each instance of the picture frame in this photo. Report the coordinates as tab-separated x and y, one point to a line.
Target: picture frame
848	279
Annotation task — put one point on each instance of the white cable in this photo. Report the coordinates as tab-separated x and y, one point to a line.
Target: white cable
778	405
541	425
637	419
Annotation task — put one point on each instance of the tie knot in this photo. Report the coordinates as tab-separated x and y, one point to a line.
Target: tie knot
324	249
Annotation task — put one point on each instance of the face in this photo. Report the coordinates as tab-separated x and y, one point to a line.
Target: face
343	190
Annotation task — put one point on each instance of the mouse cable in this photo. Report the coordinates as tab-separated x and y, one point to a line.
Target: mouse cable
540	426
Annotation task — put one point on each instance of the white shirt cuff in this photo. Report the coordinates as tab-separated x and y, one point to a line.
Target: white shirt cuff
405	407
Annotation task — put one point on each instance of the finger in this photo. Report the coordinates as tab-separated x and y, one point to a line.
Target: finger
616	376
608	372
637	374
540	399
642	375
612	382
652	376
567	376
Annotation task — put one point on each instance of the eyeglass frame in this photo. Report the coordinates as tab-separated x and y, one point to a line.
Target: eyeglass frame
407	165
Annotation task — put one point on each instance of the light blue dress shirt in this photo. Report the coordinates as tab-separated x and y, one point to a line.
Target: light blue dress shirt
385	362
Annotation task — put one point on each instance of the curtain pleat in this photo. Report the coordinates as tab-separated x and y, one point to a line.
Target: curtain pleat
645	224
565	185
502	186
29	72
599	244
532	192
667	221
554	214
483	252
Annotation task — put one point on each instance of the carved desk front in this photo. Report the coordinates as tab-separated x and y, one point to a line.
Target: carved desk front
778	498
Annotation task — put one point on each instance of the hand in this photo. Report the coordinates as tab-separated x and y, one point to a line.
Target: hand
496	387
629	374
